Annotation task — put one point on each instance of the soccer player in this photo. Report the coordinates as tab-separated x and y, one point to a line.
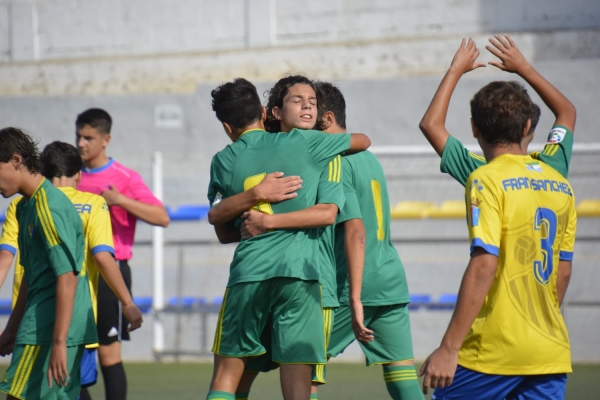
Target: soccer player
507	338
293	99
456	159
61	164
53	318
128	199
273	277
385	338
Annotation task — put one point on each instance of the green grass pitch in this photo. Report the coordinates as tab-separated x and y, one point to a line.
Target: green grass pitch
346	381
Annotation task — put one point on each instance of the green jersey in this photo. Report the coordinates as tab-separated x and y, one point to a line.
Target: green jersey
384	280
330	191
244	164
460	162
52	243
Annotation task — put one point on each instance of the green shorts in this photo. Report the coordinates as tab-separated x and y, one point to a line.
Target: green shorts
27	376
265	363
290	308
390	326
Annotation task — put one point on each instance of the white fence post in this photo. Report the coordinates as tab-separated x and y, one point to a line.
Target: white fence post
158	335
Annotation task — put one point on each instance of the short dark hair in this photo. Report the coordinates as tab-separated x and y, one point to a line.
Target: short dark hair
96	118
500	111
278	93
535	117
332	100
60	159
237	103
16	141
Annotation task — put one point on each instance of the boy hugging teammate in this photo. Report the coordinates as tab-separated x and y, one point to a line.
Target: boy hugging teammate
274	277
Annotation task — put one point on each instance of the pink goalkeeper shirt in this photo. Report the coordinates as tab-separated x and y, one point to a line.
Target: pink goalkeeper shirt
128	182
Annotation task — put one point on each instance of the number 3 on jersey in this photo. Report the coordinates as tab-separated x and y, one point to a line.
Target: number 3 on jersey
252	181
545	221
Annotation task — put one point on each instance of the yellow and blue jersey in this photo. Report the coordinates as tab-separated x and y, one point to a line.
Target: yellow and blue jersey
94	214
522	211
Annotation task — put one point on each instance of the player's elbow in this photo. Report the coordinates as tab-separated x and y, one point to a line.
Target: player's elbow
355	231
359	142
163	219
212	218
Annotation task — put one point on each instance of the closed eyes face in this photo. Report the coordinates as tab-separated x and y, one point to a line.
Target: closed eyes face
299	108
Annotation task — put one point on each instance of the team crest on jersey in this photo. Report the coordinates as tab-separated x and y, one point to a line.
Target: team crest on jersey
218	198
533	166
556	135
31	230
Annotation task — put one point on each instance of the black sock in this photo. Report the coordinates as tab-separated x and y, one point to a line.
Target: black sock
115	382
84	394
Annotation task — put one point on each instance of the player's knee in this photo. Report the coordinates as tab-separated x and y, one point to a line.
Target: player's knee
400	363
109	354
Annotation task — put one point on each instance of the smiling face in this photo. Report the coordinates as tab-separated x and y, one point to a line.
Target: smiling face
299	108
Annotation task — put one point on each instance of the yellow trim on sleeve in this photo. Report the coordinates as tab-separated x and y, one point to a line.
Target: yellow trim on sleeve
45	217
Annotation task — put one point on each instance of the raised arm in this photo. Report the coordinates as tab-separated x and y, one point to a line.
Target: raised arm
358	142
433	123
272	189
511	60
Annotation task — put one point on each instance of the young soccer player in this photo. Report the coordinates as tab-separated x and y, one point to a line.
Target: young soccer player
273	275
507	338
61	164
456	159
292	100
53	318
385	337
128	199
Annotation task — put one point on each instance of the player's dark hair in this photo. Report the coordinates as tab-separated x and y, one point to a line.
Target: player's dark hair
96	118
237	103
332	100
16	141
278	93
535	117
60	159
500	111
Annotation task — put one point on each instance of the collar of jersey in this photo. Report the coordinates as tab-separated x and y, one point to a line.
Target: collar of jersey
99	169
252	130
67	189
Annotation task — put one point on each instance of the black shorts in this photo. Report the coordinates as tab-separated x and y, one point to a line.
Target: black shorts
112	324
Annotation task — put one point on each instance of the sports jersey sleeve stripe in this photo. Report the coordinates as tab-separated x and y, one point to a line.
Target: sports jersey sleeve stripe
9	248
103	247
41	212
489	248
339	172
51	225
566	255
330	178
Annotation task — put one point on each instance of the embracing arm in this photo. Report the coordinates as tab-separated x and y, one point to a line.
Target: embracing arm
273	189
433	123
358	142
227	234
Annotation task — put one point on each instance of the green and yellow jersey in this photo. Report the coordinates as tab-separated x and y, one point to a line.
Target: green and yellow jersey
523	212
51	242
365	188
242	165
460	162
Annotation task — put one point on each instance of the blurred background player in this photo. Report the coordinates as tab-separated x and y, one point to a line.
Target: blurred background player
128	199
61	165
281	262
384	298
456	159
507	338
53	319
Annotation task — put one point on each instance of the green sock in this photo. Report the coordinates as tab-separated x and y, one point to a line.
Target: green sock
242	395
314	396
216	395
402	383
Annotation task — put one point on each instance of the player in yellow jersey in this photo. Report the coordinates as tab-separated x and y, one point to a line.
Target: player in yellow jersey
507	338
61	164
